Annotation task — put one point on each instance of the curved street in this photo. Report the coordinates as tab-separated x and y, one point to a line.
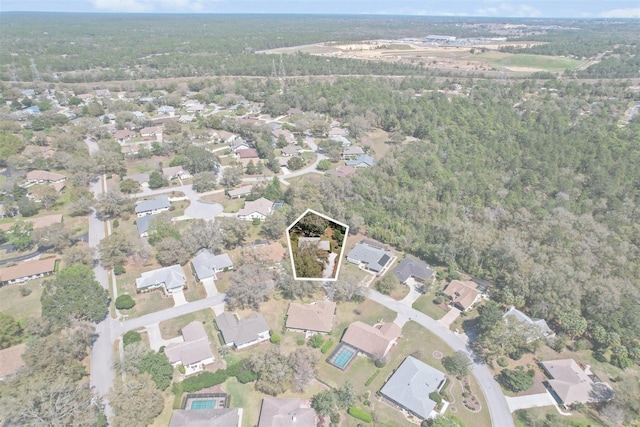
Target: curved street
496	401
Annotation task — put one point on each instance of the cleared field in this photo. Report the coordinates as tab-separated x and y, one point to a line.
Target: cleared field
22	307
530	62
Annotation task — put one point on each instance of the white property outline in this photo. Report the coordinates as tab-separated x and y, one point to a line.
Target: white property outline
293	266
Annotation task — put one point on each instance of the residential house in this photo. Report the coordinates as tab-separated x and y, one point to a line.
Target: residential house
412	267
11	360
321	245
362	161
27	270
124	135
195	107
140	178
151	131
153	206
228	138
240	192
286	412
247	153
410	385
41	177
342	140
34	110
337	131
243	333
374	341
28	92
205	265
166	110
291	150
352	152
173	172
287	135
138	114
194	353
294	112
107	118
239	144
172	279
342	171
85	97
570	383
143	223
315	317
539	324
186	118
371	256
219	417
463	294
256	209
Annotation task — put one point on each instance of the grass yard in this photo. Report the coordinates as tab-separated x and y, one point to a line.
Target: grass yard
19	307
425	305
171	328
233	205
399	292
538	416
376	142
535	62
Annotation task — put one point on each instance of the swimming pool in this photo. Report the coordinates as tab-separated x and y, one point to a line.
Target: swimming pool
203	404
342	356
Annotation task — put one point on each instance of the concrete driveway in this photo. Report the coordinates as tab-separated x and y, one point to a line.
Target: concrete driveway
530	401
178	298
155	337
450	317
413	294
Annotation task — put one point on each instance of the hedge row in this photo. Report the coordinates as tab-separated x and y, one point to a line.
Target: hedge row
360	414
327	345
210	379
371	378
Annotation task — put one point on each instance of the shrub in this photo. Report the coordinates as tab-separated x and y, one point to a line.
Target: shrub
316	341
25	292
503	362
435	396
124	302
438	300
131	337
380	363
360	414
275	339
119	269
327	345
246	376
161	349
182	369
116	223
371	378
300	340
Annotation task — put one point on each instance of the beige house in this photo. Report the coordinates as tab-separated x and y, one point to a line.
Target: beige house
572	383
11	360
27	270
463	294
280	412
315	317
41	177
374	341
195	352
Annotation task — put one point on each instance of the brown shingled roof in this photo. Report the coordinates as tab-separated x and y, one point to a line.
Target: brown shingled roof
317	316
11	359
373	341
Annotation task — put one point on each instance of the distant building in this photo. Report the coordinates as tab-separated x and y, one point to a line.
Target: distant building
362	161
240	192
256	209
40	177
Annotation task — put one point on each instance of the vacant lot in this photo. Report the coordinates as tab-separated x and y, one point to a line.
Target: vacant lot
22	307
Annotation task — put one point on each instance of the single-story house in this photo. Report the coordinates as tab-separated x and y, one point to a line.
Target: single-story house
341	139
352	152
570	383
107	118
27	270
342	171
410	385
231	139
287	135
171	278
40	177
291	150
123	135
286	412
322	245
173	172
338	131
371	256
374	341
167	110
294	111
195	352
11	360
153	206
247	153
205	264
243	333
315	317
463	294
220	417
540	324
186	118
240	192
413	267
141	178
362	161
85	97
143	223
151	131
195	108
256	209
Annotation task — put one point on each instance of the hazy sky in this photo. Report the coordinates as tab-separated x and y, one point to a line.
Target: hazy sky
498	8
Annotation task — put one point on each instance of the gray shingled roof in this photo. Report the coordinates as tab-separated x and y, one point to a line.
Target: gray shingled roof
412	267
410	385
170	277
362	159
143	223
160	202
206	264
523	318
285	412
227	417
243	331
375	258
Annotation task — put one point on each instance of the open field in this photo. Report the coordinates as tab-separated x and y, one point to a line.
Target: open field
14	304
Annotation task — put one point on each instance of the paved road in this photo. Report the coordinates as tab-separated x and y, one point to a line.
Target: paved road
496	401
197	208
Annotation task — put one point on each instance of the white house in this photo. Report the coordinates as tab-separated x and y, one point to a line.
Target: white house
172	279
205	265
256	209
243	333
153	206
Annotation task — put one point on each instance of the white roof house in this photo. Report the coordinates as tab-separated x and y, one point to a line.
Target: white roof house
256	209
206	265
243	333
152	206
172	279
521	317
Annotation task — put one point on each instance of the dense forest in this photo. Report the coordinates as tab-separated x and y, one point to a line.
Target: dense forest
536	189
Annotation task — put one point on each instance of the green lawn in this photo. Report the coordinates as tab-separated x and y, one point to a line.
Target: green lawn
425	305
171	328
14	304
541	62
538	416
